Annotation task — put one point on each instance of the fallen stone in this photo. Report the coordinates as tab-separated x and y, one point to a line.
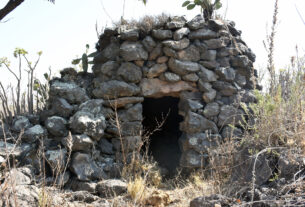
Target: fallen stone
111	188
85	168
23	195
212	201
83	186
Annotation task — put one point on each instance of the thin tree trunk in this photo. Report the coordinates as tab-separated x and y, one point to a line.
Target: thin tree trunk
9	7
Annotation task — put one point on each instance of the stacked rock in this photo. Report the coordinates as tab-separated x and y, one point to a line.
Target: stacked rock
205	64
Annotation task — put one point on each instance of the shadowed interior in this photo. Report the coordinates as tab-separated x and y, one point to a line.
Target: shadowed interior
163	144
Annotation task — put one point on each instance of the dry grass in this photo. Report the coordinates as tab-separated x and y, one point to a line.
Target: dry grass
146	23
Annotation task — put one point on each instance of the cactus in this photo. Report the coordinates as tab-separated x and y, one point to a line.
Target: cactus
84	60
207	7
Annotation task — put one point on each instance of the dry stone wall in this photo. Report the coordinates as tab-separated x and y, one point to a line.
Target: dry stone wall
205	64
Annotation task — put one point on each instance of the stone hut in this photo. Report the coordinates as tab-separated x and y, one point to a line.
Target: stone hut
187	79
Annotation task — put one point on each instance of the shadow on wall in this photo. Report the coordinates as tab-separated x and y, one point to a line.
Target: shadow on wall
163	144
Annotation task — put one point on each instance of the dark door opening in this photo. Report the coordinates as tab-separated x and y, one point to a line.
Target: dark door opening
163	144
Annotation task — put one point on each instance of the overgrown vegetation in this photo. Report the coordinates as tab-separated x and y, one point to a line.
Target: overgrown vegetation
274	123
16	101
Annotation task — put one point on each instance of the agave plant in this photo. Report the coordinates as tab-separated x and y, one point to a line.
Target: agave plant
207	7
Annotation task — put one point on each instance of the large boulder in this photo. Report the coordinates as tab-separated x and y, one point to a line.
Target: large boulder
85	168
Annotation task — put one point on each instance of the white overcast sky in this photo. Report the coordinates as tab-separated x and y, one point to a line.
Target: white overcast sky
62	30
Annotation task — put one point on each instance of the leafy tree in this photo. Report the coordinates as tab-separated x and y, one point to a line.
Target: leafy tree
11	5
207	7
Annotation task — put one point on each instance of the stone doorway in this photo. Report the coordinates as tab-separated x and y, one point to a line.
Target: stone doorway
163	144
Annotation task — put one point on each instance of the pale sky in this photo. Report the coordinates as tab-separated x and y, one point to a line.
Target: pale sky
62	30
